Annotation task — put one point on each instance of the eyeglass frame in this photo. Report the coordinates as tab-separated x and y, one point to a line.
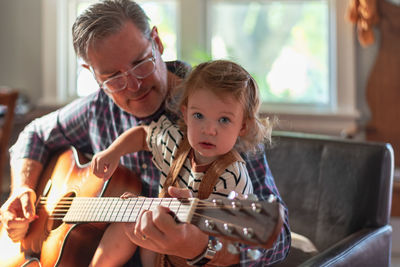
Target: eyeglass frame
129	72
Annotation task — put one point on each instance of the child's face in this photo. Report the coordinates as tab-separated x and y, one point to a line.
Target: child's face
213	124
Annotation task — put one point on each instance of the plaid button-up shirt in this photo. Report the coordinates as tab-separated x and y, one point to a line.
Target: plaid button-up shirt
92	123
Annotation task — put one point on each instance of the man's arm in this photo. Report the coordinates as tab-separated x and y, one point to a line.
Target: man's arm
264	185
28	156
25	173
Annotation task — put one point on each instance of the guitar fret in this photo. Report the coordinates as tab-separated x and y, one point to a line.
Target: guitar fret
114	210
96	208
86	211
109	209
138	209
111	216
105	209
130	207
78	212
156	203
81	210
116	207
99	209
172	208
147	203
79	207
121	212
177	211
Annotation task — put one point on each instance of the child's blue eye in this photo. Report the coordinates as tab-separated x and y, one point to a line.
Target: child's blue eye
197	115
224	120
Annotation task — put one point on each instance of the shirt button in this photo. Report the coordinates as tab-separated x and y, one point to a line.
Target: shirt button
144	166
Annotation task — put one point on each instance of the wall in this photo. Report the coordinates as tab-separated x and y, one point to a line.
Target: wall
20	46
365	61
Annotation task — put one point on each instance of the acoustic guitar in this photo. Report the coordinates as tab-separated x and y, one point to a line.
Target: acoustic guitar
75	207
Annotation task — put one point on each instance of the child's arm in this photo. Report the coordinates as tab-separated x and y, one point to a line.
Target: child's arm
105	162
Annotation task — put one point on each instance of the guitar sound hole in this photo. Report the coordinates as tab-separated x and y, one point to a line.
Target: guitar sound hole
60	211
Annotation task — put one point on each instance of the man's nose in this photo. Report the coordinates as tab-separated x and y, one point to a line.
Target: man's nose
133	83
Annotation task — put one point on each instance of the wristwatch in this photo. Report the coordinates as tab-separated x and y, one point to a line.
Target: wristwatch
212	247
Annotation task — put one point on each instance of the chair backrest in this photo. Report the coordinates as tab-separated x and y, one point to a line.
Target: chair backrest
8	101
332	187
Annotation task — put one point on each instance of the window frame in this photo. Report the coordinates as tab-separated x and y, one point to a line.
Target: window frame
338	119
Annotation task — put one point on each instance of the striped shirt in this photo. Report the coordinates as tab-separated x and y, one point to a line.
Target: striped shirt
92	123
164	138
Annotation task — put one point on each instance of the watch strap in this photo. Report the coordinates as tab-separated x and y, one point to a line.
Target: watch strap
207	255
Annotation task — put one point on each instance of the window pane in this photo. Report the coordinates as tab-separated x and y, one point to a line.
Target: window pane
283	44
162	14
85	82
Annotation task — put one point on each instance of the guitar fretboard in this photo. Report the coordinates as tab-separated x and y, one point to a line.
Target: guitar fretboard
115	209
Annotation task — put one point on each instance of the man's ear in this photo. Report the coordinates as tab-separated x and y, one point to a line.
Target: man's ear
157	40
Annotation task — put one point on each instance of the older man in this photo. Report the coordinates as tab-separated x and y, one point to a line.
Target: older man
117	44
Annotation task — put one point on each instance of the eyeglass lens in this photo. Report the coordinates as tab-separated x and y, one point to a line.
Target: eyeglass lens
140	71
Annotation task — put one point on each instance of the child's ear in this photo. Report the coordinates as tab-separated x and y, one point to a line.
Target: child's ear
184	113
243	130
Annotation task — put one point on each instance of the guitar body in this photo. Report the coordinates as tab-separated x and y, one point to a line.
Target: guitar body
51	242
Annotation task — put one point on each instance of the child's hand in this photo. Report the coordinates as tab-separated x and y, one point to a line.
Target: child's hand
104	164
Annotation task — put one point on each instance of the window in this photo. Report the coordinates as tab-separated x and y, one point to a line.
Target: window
301	52
284	44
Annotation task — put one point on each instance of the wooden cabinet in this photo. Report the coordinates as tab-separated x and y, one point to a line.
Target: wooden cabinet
383	88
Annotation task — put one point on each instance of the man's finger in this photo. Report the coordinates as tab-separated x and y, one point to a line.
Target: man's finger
164	220
179	192
18	231
126	195
28	205
17	228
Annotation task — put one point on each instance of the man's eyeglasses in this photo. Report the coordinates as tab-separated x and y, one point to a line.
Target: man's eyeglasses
139	71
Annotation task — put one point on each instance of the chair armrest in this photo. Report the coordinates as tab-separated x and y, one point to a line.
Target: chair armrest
370	247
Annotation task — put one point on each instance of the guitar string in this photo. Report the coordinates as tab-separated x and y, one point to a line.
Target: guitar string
61	210
60	216
65	208
200	205
67	201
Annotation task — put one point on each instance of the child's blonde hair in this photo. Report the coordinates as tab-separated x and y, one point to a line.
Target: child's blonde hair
222	76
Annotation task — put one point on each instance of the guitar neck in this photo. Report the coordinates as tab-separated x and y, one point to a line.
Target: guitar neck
247	221
115	209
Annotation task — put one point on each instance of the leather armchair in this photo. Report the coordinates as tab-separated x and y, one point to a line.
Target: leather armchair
339	196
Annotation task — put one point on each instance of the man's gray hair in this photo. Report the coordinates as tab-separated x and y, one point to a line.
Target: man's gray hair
103	19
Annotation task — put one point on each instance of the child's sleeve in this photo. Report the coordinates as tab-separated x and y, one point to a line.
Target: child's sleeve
162	140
